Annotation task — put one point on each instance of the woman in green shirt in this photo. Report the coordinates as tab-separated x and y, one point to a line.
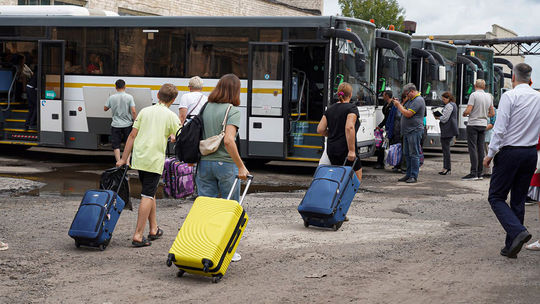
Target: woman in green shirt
218	170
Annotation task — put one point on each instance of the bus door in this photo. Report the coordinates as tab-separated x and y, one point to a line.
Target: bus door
51	92
267	97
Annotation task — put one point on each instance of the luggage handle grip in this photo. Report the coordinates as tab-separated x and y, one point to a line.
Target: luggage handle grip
354	162
249	179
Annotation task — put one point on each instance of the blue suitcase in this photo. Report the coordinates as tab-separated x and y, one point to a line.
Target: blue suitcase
96	218
329	196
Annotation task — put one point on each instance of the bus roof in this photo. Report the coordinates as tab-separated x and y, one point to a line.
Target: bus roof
177	21
395	33
462	48
423	42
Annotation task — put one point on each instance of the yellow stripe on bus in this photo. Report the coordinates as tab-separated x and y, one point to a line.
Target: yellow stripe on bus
308	147
17	143
21	130
20	111
311	134
156	87
15	120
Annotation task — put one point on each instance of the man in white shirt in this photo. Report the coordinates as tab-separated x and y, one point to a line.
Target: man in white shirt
513	150
192	102
479	109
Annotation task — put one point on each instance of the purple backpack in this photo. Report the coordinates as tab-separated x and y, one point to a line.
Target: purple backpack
178	178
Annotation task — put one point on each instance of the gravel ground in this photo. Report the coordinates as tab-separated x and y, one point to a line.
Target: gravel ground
433	242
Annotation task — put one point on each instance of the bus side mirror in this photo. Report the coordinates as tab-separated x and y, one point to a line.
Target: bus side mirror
360	62
401	67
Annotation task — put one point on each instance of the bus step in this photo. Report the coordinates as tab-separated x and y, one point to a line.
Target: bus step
17	114
304	126
22	135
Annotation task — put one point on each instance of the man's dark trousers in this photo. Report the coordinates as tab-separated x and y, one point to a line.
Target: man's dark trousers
476	136
513	169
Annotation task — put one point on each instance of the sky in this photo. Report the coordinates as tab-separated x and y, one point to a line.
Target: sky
470	17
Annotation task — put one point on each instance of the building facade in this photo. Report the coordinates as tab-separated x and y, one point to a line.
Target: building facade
191	7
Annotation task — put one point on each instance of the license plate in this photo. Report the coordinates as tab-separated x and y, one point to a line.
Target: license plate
364	149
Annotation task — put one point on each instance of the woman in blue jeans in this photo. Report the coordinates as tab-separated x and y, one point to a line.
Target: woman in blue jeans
217	171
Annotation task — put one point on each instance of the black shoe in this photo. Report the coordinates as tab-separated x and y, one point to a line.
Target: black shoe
396	170
486	175
445	172
378	166
504	252
480	177
469	177
411	180
520	240
403	179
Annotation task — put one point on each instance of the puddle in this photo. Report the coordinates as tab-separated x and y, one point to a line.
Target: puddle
76	180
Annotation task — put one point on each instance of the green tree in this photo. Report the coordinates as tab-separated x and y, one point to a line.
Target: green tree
384	12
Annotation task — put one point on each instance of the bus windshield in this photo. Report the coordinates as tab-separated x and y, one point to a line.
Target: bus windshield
486	58
346	69
390	75
434	88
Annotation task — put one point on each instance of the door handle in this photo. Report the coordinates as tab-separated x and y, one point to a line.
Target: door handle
257	125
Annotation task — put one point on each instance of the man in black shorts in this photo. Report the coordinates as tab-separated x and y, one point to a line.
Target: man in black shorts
123	110
340	123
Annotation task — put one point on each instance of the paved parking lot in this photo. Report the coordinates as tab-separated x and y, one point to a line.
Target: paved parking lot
436	241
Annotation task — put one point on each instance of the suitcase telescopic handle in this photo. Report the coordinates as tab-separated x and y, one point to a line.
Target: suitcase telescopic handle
249	179
126	168
354	162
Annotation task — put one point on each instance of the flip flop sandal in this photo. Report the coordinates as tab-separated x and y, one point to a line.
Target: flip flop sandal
3	246
156	236
533	246
142	243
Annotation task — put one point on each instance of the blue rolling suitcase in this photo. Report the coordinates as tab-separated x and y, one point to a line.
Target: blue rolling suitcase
329	196
96	218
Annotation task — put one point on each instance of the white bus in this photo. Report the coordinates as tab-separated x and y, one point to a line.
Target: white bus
475	62
288	66
433	72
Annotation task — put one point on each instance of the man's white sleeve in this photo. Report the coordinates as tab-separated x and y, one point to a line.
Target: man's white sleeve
501	123
183	102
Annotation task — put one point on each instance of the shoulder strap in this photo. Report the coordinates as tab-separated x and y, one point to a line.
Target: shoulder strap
225	118
200	98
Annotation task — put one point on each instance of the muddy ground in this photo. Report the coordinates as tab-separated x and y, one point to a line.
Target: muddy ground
436	241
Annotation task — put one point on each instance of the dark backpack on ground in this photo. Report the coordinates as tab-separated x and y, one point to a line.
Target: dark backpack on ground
111	180
188	138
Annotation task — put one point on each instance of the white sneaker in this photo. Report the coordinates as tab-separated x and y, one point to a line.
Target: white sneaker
3	246
236	257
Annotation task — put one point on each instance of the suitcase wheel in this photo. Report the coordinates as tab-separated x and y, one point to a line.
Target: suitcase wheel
306	224
217	278
180	273
102	247
77	244
337	225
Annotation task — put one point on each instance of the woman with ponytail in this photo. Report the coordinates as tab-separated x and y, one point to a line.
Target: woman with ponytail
340	123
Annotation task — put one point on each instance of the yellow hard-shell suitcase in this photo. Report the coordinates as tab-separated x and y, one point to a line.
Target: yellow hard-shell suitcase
209	236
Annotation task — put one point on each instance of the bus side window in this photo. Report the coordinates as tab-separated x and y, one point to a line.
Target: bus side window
149	52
